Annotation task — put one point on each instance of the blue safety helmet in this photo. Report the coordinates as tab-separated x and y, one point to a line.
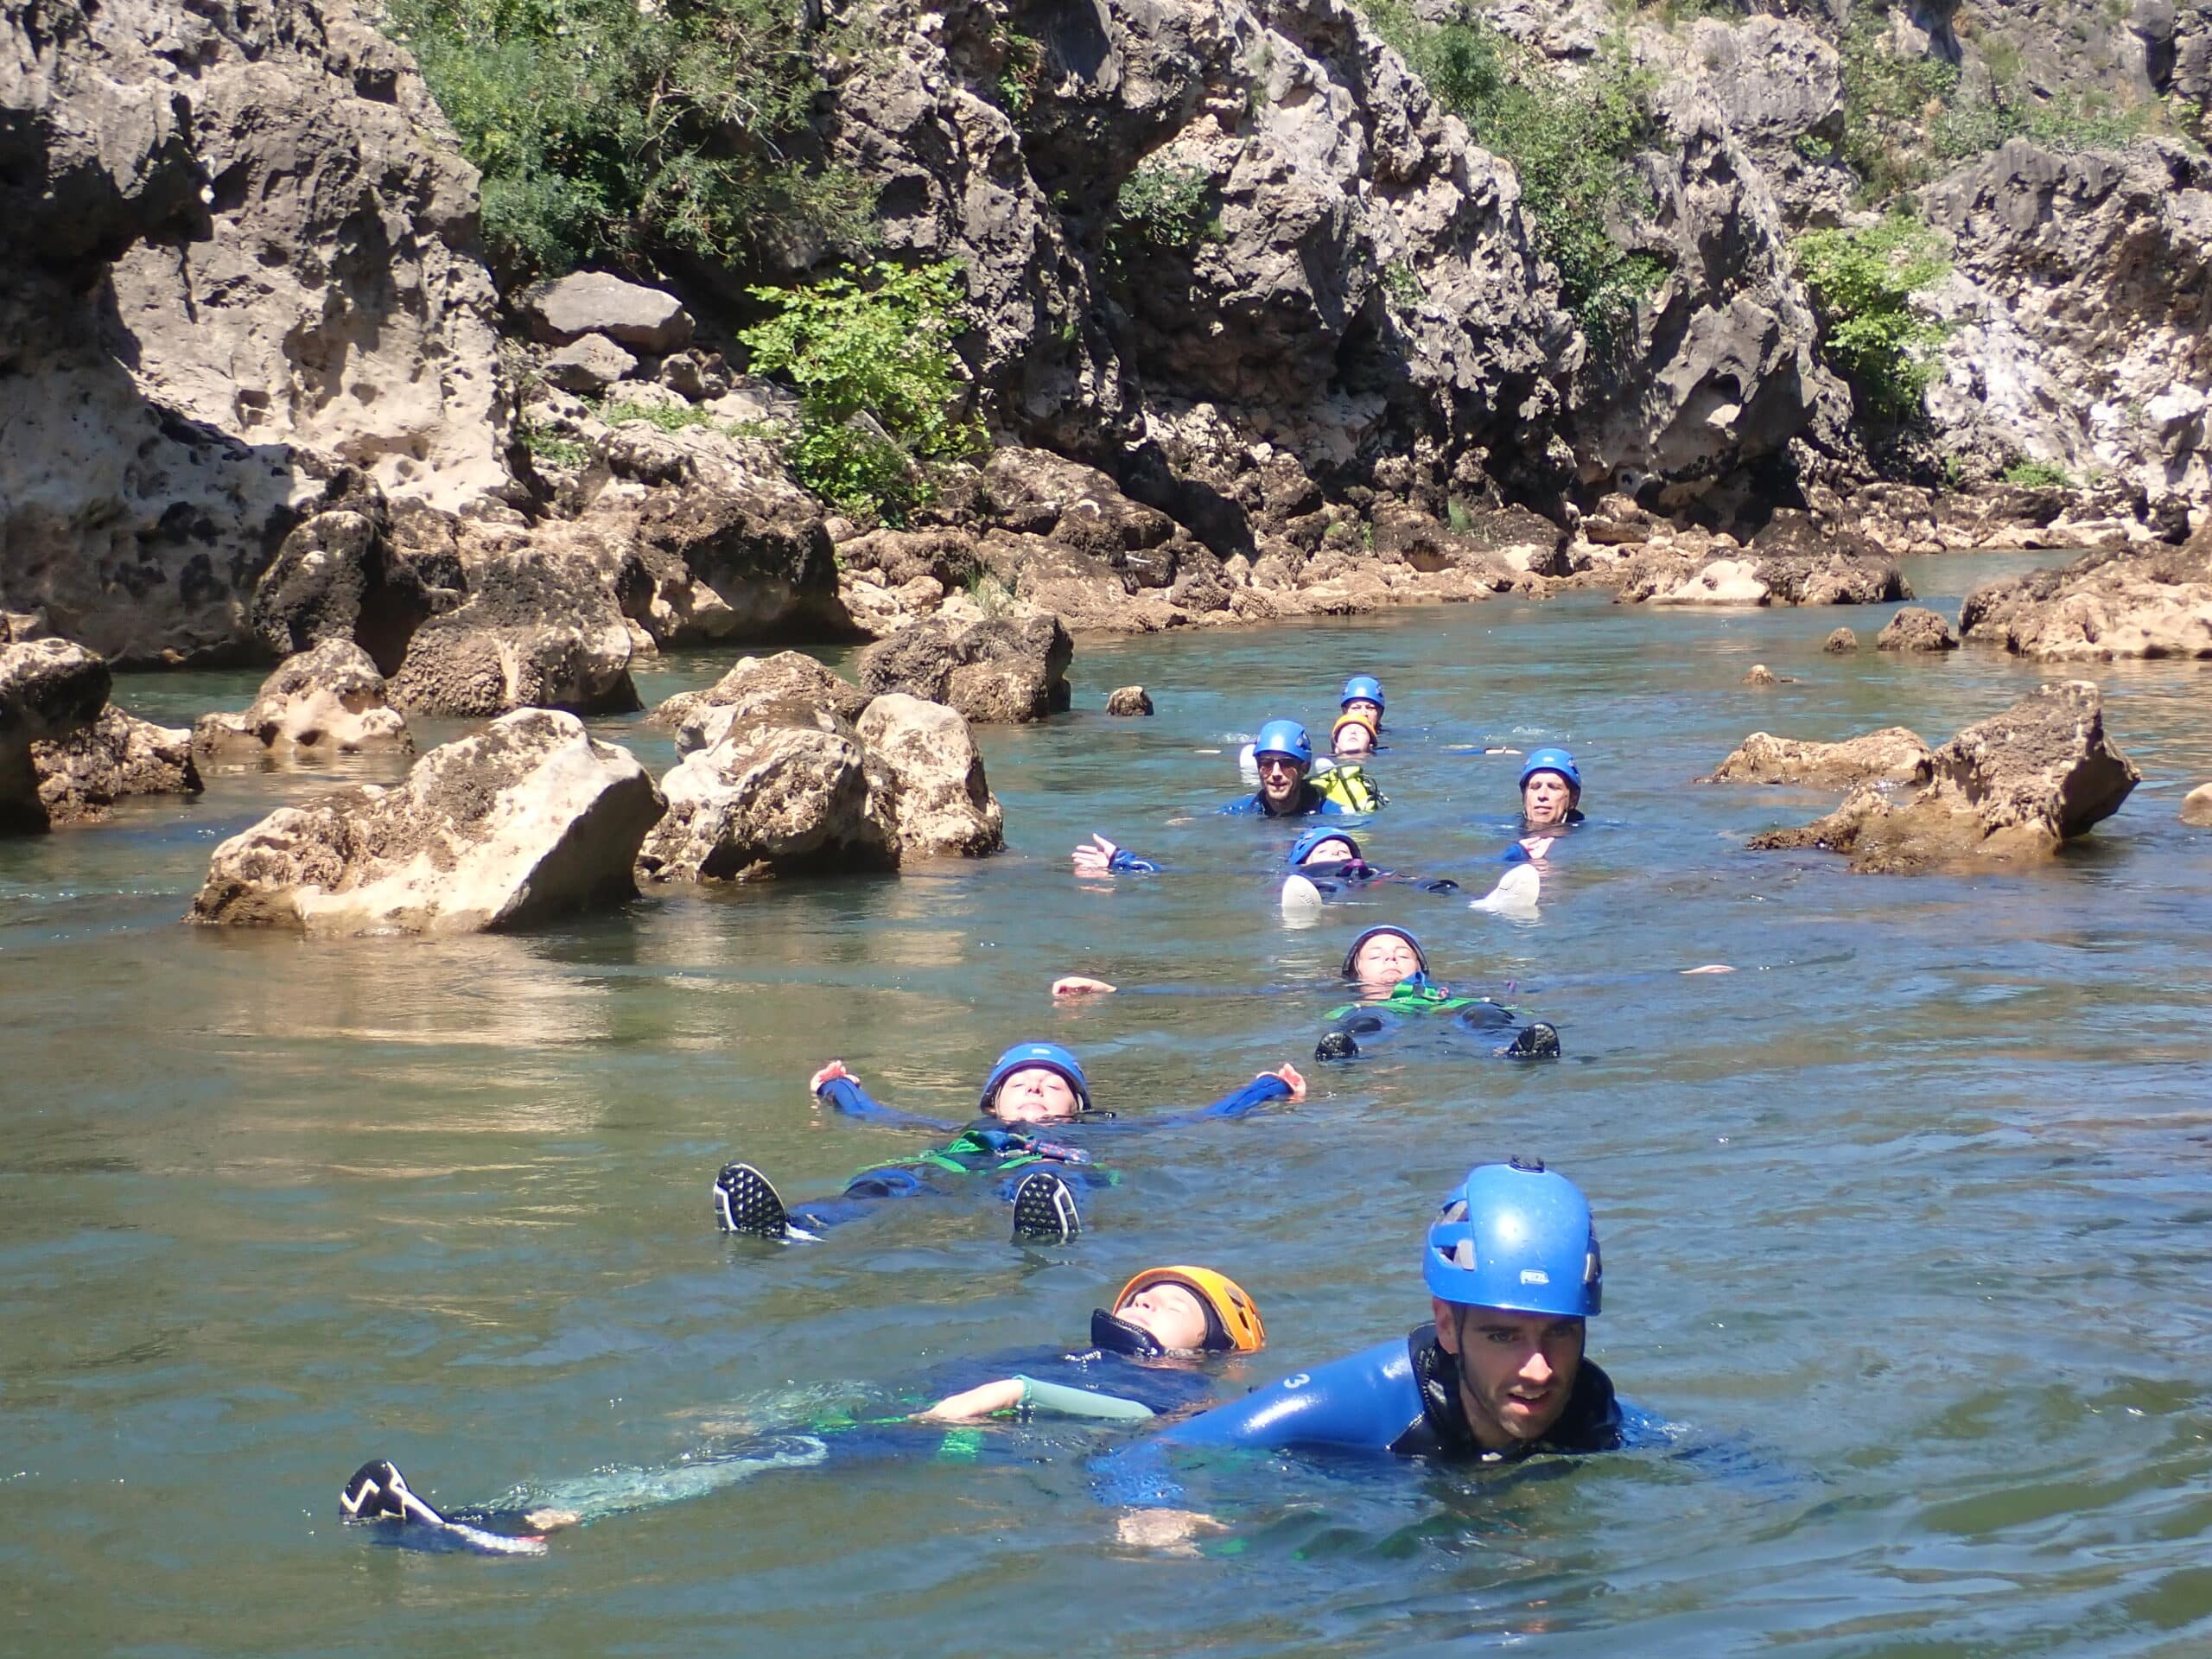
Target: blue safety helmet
1516	1236
1305	843
1284	737
1363	688
1557	760
1052	1057
1351	956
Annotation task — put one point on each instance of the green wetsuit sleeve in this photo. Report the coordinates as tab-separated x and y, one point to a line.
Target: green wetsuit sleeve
1079	1402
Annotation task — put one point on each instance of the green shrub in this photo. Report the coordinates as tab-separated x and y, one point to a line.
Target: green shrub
879	385
2039	474
1890	106
669	417
1862	282
1570	141
552	449
1164	206
608	131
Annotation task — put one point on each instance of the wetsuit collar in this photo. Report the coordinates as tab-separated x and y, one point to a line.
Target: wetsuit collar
1592	1421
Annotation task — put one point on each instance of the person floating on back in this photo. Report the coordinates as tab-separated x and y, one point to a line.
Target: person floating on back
1391	969
1034	1089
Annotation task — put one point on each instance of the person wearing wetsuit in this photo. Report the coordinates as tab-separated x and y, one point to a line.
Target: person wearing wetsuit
1513	1271
1331	862
1391	971
1551	800
1363	695
1353	736
1284	755
1150	1357
1033	1085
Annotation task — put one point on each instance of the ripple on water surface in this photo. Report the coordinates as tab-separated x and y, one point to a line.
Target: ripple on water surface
1904	1219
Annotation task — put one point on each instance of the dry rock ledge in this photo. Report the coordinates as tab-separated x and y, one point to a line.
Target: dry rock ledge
2007	790
527	820
67	756
1892	755
2106	605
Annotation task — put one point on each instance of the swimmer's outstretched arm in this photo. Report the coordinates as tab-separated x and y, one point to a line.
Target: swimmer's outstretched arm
844	1092
1284	1082
1103	857
1028	1394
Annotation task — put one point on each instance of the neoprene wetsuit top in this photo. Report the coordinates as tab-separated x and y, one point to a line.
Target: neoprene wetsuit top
1404	1396
848	1098
1310	800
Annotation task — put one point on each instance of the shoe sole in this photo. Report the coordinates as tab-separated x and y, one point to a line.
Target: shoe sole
746	1202
1045	1212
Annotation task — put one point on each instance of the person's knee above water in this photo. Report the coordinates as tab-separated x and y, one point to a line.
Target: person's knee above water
1150	1354
1513	1270
1033	1085
1363	694
1284	754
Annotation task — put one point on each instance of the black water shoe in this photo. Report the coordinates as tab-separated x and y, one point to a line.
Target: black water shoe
1336	1046
1044	1209
1539	1042
379	1491
745	1202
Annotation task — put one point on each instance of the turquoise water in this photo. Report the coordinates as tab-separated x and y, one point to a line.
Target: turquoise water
1905	1220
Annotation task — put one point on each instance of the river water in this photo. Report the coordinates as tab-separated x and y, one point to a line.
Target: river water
1905	1220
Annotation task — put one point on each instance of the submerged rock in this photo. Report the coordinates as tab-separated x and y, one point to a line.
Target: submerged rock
1891	755
1129	700
944	802
2007	790
526	820
324	701
1916	628
2196	807
1841	643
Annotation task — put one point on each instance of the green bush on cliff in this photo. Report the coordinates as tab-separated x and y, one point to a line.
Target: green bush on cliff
879	385
1569	140
1862	282
609	130
1164	206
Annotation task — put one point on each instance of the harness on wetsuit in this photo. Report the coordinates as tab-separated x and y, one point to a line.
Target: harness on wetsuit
1416	994
1348	785
984	1148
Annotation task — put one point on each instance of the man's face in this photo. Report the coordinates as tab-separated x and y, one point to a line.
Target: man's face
1383	961
1515	1369
1365	706
1355	740
1173	1315
1545	798
1280	777
1034	1095
1331	851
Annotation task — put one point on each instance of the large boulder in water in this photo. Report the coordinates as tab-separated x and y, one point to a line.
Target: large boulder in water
752	685
1892	755
787	791
2007	790
2103	606
1009	667
66	754
536	632
526	820
944	801
327	701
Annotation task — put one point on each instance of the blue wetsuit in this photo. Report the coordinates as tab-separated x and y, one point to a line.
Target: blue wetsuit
1516	854
1353	873
988	1147
1419	998
1310	800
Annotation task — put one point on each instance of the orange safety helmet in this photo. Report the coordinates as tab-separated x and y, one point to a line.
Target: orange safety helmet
1232	1317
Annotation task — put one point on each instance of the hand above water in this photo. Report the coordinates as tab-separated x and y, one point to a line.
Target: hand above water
1080	985
1289	1074
829	1073
1097	859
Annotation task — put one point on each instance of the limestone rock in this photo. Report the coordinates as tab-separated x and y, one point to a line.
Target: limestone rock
753	687
595	302
2106	605
525	821
587	366
1129	700
2007	790
340	575
329	700
66	755
535	632
1916	628
2196	807
944	802
781	794
1004	668
1892	755
1760	674
1841	643
241	253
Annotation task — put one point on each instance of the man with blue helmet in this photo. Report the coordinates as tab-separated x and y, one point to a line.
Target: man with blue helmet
1033	1085
1284	754
1551	791
1513	1272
